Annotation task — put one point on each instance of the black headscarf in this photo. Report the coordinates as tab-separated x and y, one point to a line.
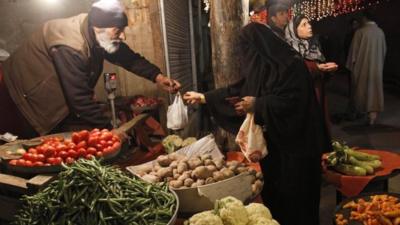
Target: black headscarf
273	51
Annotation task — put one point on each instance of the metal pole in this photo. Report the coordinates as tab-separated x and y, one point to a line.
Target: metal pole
164	30
192	48
114	116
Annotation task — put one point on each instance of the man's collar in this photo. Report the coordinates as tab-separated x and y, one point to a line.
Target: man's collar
88	34
278	32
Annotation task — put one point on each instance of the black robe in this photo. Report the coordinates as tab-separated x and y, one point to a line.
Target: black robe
286	107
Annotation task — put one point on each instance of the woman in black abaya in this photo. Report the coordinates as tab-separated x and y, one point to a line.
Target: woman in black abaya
277	88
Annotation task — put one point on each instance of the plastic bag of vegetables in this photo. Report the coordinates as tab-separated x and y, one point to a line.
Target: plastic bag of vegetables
251	140
177	117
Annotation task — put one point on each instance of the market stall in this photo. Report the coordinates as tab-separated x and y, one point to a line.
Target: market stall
347	177
29	165
29	175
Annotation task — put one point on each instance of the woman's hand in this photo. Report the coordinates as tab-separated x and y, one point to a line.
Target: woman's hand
328	67
245	106
192	97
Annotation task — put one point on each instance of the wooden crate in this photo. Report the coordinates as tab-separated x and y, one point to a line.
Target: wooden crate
13	187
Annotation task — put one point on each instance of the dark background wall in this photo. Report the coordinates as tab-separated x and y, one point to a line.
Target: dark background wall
20	17
333	31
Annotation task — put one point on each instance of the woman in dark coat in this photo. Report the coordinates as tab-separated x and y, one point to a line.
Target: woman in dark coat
299	35
277	87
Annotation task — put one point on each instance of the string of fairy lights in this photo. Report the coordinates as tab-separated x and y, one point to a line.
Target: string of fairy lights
319	9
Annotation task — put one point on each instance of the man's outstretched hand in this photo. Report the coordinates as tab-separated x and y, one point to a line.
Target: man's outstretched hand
167	84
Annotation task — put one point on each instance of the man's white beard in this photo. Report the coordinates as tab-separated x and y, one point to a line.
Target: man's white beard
109	45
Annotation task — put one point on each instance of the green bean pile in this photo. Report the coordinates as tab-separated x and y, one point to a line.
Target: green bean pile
88	193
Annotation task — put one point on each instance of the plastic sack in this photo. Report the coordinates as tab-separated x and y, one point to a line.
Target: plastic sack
251	140
177	117
205	145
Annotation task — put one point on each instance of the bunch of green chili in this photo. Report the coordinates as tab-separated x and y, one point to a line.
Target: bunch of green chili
88	193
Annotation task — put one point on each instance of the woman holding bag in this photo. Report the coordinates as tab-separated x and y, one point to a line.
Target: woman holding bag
277	88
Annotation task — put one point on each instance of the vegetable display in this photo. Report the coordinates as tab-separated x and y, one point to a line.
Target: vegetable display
88	193
181	172
231	211
57	150
377	210
351	162
173	142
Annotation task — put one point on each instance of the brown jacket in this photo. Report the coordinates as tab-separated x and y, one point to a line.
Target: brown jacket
32	75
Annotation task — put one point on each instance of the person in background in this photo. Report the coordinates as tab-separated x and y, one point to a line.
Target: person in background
353	26
350	113
278	89
365	61
300	36
278	17
47	84
259	14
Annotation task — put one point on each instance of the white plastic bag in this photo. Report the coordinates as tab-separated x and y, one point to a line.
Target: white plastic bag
251	140
177	117
205	145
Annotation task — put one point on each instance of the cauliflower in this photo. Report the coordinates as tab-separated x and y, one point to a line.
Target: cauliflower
205	218
188	141
172	143
262	221
257	210
232	211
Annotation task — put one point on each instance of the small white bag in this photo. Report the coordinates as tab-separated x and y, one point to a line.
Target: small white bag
177	117
251	140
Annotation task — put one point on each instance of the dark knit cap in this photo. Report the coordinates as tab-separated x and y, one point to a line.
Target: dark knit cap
108	13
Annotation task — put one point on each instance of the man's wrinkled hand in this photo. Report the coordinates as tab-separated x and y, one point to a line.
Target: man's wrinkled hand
167	84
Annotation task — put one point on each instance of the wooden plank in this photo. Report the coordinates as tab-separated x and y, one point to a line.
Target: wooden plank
8	207
13	183
38	182
132	123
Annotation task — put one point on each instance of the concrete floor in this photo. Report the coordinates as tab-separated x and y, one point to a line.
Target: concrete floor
384	135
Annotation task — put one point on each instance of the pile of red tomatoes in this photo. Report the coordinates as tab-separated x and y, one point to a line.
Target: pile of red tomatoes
83	144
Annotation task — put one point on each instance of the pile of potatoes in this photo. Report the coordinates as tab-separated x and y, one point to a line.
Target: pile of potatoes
182	172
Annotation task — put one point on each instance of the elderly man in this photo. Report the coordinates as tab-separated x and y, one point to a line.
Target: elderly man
49	80
274	14
278	17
